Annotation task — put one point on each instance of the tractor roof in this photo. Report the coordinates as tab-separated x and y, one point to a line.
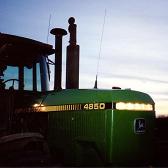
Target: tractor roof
15	50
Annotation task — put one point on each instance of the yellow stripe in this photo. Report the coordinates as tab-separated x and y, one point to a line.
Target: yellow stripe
59	108
50	108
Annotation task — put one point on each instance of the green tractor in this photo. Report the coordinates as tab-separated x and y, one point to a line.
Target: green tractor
71	126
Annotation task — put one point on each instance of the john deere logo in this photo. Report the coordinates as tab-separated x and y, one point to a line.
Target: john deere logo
139	125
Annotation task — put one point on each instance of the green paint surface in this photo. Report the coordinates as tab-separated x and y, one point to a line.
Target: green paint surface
73	96
100	137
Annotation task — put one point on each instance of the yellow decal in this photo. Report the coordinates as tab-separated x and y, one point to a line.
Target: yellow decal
64	107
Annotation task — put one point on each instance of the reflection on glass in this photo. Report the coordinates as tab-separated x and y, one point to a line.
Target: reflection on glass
11	73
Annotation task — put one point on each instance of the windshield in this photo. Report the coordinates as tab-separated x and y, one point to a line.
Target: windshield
34	77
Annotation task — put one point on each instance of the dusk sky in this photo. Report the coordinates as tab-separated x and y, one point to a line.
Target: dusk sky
134	51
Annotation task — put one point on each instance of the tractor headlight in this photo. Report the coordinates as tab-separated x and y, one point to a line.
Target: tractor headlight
134	106
40	107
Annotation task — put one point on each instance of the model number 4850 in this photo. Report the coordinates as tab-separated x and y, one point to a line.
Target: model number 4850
94	106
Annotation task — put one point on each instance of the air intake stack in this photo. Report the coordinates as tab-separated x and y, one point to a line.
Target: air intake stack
72	60
59	33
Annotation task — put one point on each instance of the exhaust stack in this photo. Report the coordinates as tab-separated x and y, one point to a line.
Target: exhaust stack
58	33
72	60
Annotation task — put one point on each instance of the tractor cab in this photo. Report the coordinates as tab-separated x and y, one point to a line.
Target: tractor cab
23	63
24	73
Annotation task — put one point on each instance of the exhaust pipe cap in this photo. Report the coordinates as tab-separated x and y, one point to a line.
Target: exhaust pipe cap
58	32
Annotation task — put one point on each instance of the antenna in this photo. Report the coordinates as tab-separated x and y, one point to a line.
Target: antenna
101	39
48	32
48	60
